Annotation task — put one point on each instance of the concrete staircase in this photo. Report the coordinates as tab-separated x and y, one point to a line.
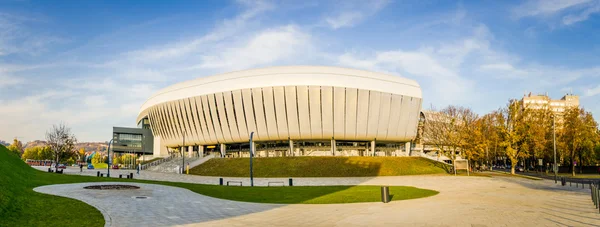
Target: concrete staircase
173	165
201	160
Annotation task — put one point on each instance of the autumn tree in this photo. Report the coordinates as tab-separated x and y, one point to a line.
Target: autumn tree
61	142
483	139
81	154
16	147
579	135
513	129
538	134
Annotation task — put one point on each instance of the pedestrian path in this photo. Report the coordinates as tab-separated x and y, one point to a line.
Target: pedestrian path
463	201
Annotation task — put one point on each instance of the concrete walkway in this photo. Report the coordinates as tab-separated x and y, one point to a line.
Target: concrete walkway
463	201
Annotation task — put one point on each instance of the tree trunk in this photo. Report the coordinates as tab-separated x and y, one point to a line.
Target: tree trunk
573	163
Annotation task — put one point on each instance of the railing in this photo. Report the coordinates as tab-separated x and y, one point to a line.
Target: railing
594	186
157	162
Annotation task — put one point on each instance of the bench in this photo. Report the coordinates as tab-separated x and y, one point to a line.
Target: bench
236	182
275	182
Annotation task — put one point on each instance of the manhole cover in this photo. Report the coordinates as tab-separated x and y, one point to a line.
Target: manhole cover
112	187
141	197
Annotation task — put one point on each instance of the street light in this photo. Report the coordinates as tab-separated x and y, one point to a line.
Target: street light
554	142
251	155
182	154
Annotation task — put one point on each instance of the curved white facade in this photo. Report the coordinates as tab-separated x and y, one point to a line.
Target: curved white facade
285	103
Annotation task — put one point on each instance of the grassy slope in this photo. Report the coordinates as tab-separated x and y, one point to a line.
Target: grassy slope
320	167
21	206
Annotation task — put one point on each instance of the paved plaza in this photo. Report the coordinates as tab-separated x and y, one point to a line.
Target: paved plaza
463	201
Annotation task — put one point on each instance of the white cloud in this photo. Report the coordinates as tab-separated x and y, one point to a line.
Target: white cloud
544	7
570	11
222	31
344	19
265	47
581	16
592	91
353	12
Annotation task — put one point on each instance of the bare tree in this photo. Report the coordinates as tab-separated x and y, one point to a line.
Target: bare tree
448	129
61	142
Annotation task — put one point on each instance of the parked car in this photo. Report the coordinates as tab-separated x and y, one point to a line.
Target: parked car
519	169
115	167
90	166
61	166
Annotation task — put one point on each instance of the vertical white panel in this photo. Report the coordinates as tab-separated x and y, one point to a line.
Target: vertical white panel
222	117
395	114
170	122
231	118
413	118
249	113
239	115
303	113
339	112
351	102
190	137
209	111
270	117
164	121
201	131
374	108
151	120
292	112
259	113
181	124
314	95
384	116
405	113
280	112
362	114
209	133
327	111
175	121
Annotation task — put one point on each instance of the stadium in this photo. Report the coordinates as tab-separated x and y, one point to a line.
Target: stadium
292	110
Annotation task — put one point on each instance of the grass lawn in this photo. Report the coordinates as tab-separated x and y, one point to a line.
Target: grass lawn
21	206
320	167
100	166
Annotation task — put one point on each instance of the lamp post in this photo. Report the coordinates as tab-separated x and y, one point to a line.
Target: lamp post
182	154
251	155
554	142
108	168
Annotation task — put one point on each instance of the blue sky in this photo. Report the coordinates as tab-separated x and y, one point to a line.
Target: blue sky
91	64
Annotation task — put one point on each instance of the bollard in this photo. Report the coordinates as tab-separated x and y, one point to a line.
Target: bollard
102	175
221	181
120	175
130	175
98	174
291	182
49	170
385	194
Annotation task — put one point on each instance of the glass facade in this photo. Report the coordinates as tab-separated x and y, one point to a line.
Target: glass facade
129	140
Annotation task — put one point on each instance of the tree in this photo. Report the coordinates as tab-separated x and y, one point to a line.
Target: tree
81	154
45	153
16	147
538	135
513	129
447	129
31	153
579	135
483	138
61	142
